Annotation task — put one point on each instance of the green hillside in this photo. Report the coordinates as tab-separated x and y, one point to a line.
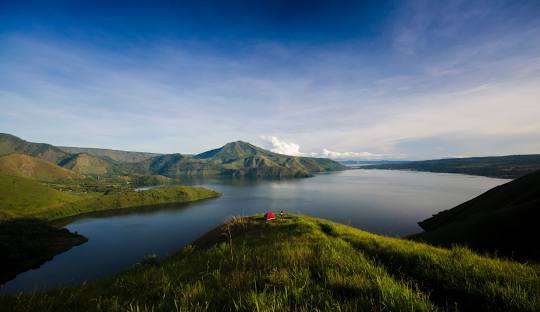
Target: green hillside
20	197
130	199
23	198
116	155
87	164
302	264
34	168
509	167
501	220
238	159
10	144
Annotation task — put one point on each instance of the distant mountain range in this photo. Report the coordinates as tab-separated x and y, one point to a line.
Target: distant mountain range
362	163
503	219
234	159
509	167
116	155
10	144
244	159
238	159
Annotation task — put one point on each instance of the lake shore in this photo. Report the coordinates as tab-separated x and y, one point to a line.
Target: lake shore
301	263
29	242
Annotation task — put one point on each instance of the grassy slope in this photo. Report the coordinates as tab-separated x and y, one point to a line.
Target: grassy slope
130	199
510	167
503	219
30	167
20	197
303	264
26	244
87	164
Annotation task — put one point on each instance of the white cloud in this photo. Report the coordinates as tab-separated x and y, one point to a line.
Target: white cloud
289	148
282	147
350	155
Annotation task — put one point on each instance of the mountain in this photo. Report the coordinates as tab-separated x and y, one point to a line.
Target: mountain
503	219
116	155
509	167
87	164
234	159
298	263
361	163
233	151
10	144
34	168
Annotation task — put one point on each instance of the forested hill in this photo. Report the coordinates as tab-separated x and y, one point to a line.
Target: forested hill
509	167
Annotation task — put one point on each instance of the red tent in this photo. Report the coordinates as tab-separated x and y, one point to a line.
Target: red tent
269	216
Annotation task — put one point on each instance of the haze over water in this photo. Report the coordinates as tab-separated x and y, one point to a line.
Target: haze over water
379	201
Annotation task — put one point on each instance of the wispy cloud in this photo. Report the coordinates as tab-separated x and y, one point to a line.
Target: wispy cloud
428	84
350	155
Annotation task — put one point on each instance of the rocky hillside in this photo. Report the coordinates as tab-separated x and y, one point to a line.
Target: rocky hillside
10	144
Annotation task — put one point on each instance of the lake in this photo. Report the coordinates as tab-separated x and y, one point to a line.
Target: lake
379	201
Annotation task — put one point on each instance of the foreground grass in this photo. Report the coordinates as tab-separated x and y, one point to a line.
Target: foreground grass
302	264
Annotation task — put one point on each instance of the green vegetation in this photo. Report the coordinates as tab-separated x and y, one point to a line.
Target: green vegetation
27	243
147	180
34	168
509	167
302	264
237	159
20	197
130	199
502	220
116	155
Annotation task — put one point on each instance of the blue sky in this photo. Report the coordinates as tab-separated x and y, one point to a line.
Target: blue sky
342	79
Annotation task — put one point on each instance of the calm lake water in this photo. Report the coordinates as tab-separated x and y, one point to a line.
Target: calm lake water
380	201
